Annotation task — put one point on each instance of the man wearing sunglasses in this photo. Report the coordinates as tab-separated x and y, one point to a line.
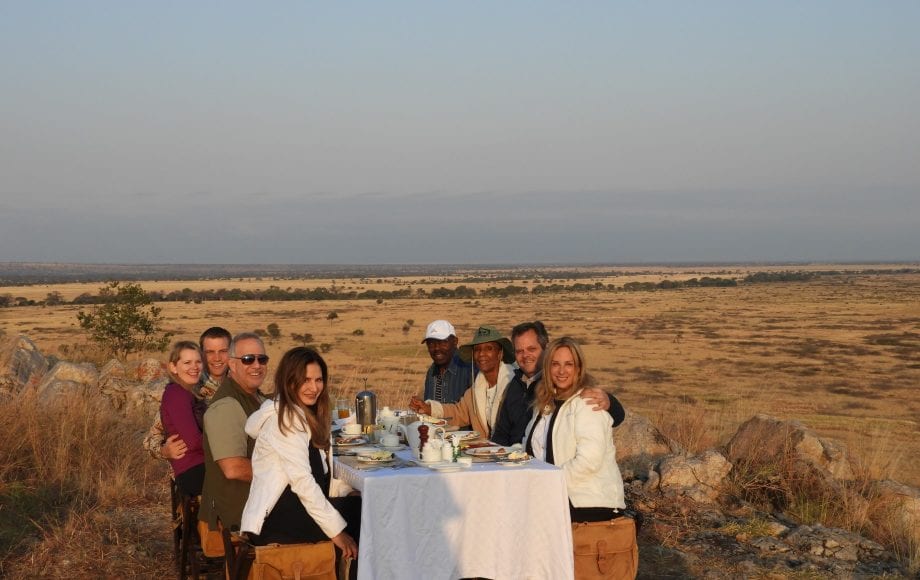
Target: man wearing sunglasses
227	448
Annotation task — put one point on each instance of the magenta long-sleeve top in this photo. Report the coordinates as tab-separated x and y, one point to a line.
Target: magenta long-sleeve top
181	413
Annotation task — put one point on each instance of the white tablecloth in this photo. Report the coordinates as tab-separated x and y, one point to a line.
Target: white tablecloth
488	521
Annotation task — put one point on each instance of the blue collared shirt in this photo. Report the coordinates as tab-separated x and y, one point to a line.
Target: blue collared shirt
457	379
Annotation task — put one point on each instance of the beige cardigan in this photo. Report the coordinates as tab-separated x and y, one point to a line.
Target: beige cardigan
470	410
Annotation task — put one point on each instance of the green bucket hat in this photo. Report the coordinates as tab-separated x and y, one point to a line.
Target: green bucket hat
488	334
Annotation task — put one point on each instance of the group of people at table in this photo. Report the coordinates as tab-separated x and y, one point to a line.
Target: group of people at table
263	465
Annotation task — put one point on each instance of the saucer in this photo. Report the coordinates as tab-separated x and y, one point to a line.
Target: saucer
447	466
391	448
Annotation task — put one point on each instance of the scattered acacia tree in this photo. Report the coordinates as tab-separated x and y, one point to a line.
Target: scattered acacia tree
126	322
332	315
274	331
54	299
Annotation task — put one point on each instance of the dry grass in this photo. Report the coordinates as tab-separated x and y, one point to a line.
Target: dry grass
839	354
79	498
786	485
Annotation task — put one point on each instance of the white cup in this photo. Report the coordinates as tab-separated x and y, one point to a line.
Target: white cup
390	440
352	429
465	461
430	454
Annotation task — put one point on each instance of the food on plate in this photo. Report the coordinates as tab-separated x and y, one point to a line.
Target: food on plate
379	455
350	439
517	456
479	444
487	452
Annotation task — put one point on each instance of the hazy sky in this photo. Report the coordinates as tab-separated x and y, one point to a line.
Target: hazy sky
401	132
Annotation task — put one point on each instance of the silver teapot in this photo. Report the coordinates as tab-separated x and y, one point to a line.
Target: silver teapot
366	409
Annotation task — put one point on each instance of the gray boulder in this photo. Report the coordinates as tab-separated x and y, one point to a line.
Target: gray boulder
766	440
699	478
113	369
147	370
145	397
640	445
68	377
21	364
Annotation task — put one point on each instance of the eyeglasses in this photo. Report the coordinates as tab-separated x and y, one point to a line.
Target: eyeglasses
248	359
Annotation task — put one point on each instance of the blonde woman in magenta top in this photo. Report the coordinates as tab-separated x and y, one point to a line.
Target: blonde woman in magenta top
181	411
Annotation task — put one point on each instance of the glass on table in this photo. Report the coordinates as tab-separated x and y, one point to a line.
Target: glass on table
343	407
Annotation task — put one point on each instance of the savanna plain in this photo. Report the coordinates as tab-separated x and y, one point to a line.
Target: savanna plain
839	352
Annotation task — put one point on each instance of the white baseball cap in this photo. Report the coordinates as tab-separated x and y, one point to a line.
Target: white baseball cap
439	330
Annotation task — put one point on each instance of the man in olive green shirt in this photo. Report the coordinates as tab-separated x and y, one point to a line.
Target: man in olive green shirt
227	447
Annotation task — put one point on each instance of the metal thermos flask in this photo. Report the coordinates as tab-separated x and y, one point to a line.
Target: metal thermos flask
366	409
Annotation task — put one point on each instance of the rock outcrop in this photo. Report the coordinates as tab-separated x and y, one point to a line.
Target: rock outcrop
699	478
147	370
640	445
68	376
763	440
21	364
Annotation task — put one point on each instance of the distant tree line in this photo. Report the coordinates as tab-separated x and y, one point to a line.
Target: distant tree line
462	291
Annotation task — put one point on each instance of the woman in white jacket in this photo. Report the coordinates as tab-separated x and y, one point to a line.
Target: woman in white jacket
291	463
565	431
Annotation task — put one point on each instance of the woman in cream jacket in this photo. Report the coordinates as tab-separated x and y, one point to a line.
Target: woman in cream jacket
566	432
291	499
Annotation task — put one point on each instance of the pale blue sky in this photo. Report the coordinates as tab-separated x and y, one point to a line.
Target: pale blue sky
405	132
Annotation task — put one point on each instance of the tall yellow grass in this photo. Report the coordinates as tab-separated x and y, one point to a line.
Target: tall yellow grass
81	498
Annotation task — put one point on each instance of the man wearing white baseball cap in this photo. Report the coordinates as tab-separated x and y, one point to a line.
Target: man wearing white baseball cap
448	377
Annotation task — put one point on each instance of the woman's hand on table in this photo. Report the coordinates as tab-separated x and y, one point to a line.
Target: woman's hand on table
419	406
347	544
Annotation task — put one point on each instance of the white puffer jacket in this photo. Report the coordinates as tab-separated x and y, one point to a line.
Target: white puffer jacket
279	460
583	447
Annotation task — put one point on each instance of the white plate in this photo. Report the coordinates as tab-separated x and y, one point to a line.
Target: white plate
391	448
352	442
493	452
446	466
369	459
465	435
515	463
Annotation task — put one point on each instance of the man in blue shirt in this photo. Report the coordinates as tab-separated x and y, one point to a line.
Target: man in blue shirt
448	377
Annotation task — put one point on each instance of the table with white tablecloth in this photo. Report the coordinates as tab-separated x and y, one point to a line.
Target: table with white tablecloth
488	521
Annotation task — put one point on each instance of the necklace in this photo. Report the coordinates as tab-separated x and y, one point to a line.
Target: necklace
490	400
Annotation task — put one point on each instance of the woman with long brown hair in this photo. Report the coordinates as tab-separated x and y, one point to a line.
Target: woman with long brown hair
292	463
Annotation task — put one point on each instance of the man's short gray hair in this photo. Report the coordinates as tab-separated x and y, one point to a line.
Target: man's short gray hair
245	336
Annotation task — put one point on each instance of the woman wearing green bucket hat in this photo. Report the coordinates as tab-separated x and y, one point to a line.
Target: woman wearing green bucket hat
480	404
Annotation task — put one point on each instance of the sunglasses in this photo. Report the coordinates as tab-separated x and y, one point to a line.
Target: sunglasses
248	359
